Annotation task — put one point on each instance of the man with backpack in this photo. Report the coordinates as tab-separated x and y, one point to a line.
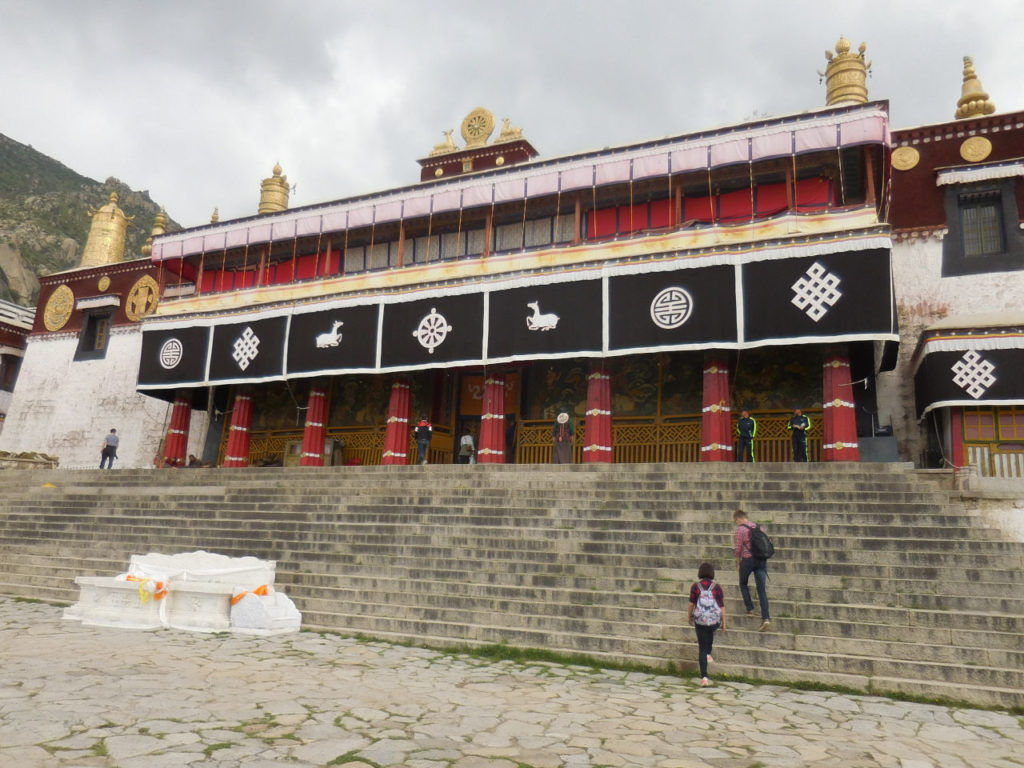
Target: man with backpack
753	548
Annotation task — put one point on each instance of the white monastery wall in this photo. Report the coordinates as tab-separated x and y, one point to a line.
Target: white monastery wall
924	297
65	407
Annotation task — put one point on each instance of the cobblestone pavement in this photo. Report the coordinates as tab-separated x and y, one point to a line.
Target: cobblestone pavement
83	696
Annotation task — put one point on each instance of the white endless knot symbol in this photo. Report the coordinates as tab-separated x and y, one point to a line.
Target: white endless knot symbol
816	292
171	353
247	346
671	307
973	374
432	331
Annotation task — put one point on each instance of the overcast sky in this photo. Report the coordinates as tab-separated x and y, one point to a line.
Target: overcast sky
195	100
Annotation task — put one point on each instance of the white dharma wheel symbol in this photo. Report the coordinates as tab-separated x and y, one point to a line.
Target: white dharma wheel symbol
171	353
432	331
671	307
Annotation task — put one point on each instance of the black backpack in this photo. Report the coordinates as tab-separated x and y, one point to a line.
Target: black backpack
761	546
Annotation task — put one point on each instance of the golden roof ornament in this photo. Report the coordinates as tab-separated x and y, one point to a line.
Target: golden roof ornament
274	193
477	127
216	216
446	146
105	244
508	133
846	75
973	102
159	227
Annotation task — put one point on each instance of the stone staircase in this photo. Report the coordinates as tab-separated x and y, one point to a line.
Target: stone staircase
881	583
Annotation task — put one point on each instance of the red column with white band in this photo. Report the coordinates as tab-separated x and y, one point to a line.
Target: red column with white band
839	442
716	413
597	445
313	435
396	436
237	453
176	444
492	422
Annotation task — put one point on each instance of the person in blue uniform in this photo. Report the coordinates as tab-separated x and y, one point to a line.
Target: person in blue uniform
799	425
746	428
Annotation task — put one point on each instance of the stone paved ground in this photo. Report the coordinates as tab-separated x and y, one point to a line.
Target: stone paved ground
81	696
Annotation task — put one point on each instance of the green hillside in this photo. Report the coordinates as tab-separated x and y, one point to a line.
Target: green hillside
44	217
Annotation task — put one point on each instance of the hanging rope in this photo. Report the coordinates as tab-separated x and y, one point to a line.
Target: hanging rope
316	261
842	182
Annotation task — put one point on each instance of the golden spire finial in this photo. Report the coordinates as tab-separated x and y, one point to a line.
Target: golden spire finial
974	102
159	227
846	74
105	244
274	192
216	216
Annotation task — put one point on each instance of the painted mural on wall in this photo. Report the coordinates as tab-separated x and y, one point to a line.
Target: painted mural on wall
278	405
682	382
359	401
766	379
554	385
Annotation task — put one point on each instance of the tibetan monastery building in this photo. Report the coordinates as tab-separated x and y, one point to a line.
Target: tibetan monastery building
650	290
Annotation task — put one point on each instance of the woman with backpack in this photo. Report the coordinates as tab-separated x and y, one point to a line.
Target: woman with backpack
706	613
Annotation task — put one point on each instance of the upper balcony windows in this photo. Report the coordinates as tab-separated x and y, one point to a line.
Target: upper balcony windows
730	196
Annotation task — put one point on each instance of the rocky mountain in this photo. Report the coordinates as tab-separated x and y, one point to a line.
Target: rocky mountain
44	218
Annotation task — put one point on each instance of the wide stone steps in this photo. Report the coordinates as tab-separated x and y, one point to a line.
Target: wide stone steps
880	581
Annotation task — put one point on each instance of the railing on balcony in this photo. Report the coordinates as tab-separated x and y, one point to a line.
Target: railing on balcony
636	440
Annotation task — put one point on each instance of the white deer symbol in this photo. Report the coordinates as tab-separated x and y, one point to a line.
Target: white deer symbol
330	339
539	322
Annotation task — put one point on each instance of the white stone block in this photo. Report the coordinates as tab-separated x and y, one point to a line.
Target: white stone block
105	601
272	614
199	607
245	573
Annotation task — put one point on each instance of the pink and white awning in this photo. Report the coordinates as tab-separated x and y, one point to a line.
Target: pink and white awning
748	143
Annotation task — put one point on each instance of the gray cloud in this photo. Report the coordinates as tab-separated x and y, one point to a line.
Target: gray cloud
196	101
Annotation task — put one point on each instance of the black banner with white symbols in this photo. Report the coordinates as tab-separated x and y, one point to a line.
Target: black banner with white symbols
679	304
969	377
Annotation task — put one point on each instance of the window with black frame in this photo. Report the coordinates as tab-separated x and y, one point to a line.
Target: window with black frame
981	223
984	233
95	335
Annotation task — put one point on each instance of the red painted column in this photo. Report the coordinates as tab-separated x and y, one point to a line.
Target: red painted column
237	453
716	413
396	437
492	422
176	444
839	442
313	434
597	443
956	435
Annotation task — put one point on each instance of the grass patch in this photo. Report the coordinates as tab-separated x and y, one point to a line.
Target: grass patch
525	655
99	749
352	757
209	750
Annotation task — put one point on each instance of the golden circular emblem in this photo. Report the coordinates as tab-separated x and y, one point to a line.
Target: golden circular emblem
142	298
840	445
975	149
499	160
478	126
58	308
104	283
439	172
905	158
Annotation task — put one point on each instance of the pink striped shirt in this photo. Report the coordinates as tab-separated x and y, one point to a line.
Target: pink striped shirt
741	540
